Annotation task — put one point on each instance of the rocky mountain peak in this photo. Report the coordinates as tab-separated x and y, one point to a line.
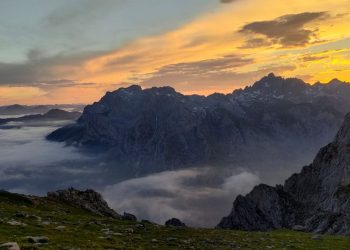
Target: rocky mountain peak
335	81
279	84
129	90
162	90
271	75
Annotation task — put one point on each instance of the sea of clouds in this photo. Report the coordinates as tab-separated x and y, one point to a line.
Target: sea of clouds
199	196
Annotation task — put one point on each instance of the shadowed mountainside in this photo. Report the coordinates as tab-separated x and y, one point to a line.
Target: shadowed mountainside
280	120
315	200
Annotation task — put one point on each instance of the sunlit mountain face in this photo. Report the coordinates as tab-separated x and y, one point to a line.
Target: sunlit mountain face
168	107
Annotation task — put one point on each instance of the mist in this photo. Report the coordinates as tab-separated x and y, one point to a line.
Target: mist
199	196
31	164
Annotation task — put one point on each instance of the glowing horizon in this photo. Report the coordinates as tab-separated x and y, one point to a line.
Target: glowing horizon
75	51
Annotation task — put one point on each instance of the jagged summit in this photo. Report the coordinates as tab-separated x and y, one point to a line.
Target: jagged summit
136	89
317	199
133	89
275	87
271	75
335	81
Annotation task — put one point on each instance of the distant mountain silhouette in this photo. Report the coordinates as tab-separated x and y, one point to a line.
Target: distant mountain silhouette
51	115
17	109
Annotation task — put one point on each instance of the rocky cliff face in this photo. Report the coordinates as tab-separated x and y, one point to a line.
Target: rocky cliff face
158	129
89	200
317	199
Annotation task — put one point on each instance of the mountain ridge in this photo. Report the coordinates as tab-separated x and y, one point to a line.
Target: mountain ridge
51	115
18	109
158	128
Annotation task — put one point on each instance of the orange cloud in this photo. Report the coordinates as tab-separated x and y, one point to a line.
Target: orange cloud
189	51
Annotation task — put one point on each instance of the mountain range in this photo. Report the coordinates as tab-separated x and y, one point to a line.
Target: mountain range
17	109
53	115
283	121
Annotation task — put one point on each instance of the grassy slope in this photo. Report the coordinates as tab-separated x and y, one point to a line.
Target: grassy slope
84	231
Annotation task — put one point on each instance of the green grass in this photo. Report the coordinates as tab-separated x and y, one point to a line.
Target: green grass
343	190
83	230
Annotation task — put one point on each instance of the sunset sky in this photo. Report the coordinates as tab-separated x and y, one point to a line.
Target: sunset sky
73	51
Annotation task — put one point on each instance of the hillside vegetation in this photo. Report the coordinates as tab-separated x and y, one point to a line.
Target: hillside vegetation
57	225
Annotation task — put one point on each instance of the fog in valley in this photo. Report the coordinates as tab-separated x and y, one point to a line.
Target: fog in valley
199	196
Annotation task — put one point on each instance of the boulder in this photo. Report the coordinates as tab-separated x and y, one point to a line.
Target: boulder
174	222
128	216
88	200
10	246
38	239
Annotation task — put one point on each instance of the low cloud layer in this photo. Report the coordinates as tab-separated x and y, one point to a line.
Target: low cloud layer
30	164
287	31
199	197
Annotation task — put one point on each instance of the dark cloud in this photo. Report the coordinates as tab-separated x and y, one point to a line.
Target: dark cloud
43	70
255	43
191	75
288	30
124	61
208	66
227	1
310	58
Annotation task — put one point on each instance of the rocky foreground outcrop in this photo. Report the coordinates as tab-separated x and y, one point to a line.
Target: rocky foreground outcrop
174	222
315	200
157	129
88	199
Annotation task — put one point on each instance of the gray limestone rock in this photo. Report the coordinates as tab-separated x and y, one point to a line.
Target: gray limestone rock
316	199
89	200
